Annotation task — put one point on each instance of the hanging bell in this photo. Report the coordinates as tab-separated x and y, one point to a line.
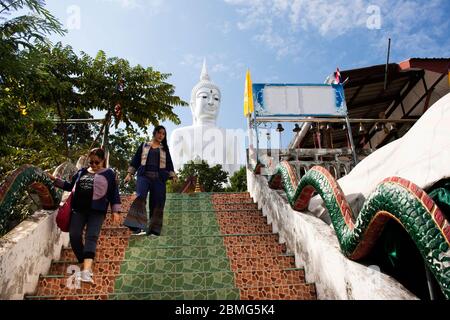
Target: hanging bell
280	128
392	127
379	127
297	128
362	129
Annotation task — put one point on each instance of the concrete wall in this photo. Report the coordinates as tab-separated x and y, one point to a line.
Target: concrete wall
316	249
26	252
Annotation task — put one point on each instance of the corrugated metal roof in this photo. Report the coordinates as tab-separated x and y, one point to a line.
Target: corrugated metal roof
366	97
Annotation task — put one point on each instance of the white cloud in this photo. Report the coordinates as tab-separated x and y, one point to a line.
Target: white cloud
217	63
152	5
286	26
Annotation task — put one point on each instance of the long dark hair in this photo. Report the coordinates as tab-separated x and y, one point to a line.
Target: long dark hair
164	141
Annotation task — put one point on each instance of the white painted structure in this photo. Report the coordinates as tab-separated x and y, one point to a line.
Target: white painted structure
26	252
204	139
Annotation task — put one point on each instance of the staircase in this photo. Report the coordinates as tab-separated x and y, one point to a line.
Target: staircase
213	246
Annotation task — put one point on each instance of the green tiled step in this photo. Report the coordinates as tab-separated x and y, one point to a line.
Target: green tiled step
159	282
172	265
212	210
192	196
190	220
173	241
212	294
167	241
175	252
241	219
182	231
185	252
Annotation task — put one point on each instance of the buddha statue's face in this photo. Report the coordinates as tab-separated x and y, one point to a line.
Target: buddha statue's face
205	106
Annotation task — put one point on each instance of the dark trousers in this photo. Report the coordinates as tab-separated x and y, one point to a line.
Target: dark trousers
157	188
93	222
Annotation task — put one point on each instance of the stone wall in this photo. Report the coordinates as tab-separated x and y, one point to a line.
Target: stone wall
316	249
26	252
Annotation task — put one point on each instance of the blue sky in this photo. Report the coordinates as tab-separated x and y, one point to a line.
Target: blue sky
281	41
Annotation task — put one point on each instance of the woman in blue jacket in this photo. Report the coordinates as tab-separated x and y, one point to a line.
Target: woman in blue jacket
153	164
94	188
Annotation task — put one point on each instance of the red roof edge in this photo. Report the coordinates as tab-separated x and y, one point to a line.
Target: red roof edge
434	65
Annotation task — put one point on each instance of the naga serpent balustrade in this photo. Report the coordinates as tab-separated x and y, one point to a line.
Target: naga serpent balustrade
11	191
393	198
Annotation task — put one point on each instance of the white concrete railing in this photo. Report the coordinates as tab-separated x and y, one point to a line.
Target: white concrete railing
26	252
316	249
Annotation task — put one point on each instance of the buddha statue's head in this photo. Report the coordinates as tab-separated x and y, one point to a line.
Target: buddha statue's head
205	100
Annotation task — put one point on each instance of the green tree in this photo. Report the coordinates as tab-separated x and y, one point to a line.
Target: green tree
238	181
39	82
23	33
123	144
142	94
213	178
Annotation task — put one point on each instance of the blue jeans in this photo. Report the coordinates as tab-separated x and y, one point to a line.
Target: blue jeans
93	222
157	187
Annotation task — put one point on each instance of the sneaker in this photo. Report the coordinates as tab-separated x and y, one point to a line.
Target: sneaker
86	276
138	233
152	235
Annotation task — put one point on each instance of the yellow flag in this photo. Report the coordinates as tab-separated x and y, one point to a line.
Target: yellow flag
248	95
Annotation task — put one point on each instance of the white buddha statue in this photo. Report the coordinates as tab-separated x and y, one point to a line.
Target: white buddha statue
204	140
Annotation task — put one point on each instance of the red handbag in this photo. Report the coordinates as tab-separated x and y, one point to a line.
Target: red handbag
64	213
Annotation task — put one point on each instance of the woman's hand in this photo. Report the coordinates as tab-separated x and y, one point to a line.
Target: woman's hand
175	178
128	178
116	218
51	177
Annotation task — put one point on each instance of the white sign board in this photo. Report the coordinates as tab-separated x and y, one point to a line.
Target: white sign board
295	100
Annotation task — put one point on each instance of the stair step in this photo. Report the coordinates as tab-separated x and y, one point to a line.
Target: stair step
115	231
167	241
184	220
237	215
248	251
59	286
213	294
267	238
159	282
235	206
100	268
262	263
114	242
182	231
102	254
186	252
173	241
175	265
241	220
265	278
243	195
245	229
289	292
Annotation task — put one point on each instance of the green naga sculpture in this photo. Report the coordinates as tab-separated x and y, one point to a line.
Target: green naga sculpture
393	198
11	191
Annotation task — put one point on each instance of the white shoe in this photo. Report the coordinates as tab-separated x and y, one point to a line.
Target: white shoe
86	276
142	233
